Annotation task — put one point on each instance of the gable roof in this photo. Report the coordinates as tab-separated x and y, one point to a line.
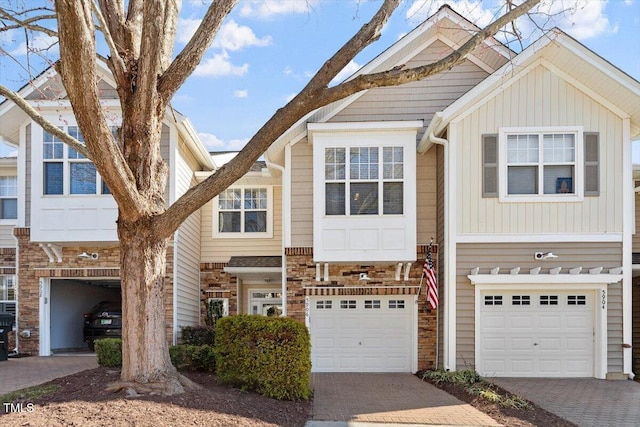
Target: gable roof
445	25
48	83
558	51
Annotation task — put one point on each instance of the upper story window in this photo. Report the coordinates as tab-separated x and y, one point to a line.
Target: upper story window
540	164
370	178
66	171
8	197
243	212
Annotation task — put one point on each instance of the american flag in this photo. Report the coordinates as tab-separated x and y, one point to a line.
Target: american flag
432	282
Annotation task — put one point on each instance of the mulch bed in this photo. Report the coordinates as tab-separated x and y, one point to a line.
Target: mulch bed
512	417
82	400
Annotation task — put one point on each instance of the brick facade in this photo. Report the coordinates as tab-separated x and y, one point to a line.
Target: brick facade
34	264
215	283
301	281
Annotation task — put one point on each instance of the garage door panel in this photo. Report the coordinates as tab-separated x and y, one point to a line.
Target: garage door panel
550	335
370	336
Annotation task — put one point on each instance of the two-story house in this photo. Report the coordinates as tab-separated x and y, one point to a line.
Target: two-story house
58	237
522	176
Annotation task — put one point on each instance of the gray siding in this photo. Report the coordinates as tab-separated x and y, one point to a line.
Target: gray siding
509	255
301	195
417	100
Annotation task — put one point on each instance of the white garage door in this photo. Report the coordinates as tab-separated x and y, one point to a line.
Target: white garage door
536	334
362	333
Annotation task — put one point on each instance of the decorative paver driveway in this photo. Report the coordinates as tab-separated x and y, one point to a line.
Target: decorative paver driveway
388	398
583	401
16	374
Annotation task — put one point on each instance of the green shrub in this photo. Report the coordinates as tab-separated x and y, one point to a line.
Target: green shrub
269	355
109	351
193	357
198	335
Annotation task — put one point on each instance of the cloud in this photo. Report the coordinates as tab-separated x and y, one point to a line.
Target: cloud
218	66
241	93
211	141
40	43
265	9
231	35
346	72
235	37
237	144
628	2
583	20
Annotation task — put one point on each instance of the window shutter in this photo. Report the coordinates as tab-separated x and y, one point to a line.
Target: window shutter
591	164
490	165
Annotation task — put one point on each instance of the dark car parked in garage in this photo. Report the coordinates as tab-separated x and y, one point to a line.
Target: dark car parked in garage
104	320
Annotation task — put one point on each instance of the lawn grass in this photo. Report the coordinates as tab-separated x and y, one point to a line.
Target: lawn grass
29	393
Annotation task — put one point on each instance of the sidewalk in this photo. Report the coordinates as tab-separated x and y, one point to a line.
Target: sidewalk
19	373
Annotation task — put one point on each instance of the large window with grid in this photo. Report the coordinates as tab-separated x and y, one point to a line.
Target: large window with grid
371	179
66	171
8	197
243	211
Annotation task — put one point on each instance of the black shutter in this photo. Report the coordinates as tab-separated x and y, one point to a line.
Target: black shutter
591	164
490	165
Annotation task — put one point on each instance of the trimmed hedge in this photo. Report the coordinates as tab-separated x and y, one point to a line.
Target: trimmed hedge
198	335
271	356
193	357
109	351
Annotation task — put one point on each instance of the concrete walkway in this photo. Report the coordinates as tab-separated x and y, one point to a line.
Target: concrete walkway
16	374
390	399
584	401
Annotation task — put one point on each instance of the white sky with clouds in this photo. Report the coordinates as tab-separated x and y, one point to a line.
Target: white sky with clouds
267	50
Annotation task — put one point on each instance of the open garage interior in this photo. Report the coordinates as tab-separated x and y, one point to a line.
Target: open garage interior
70	300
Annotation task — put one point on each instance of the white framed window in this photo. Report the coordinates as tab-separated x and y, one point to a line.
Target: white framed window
243	212
541	164
265	303
225	304
370	178
8	197
8	295
66	171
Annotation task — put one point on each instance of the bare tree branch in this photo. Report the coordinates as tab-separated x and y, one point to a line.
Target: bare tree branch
118	66
28	23
192	54
37	117
316	95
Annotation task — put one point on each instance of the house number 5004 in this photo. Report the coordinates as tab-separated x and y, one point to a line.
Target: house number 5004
604	298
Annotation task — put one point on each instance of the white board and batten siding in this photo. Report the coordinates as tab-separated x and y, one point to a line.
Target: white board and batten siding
508	255
187	254
538	99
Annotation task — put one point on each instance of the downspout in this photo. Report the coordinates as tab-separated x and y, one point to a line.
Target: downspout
449	311
285	195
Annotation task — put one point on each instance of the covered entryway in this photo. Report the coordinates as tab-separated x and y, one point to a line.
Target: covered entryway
544	333
373	333
63	304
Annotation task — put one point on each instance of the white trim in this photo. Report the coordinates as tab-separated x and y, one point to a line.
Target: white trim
44	323
286	199
256	270
506	280
176	268
364	126
599	321
628	222
541	196
243	234
450	243
539	238
22	179
272	301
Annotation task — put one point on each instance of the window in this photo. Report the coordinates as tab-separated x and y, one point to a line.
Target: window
265	303
65	171
8	295
399	303
372	303
548	299
324	304
541	164
243	211
221	304
8	197
493	300
348	304
371	175
576	300
520	300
